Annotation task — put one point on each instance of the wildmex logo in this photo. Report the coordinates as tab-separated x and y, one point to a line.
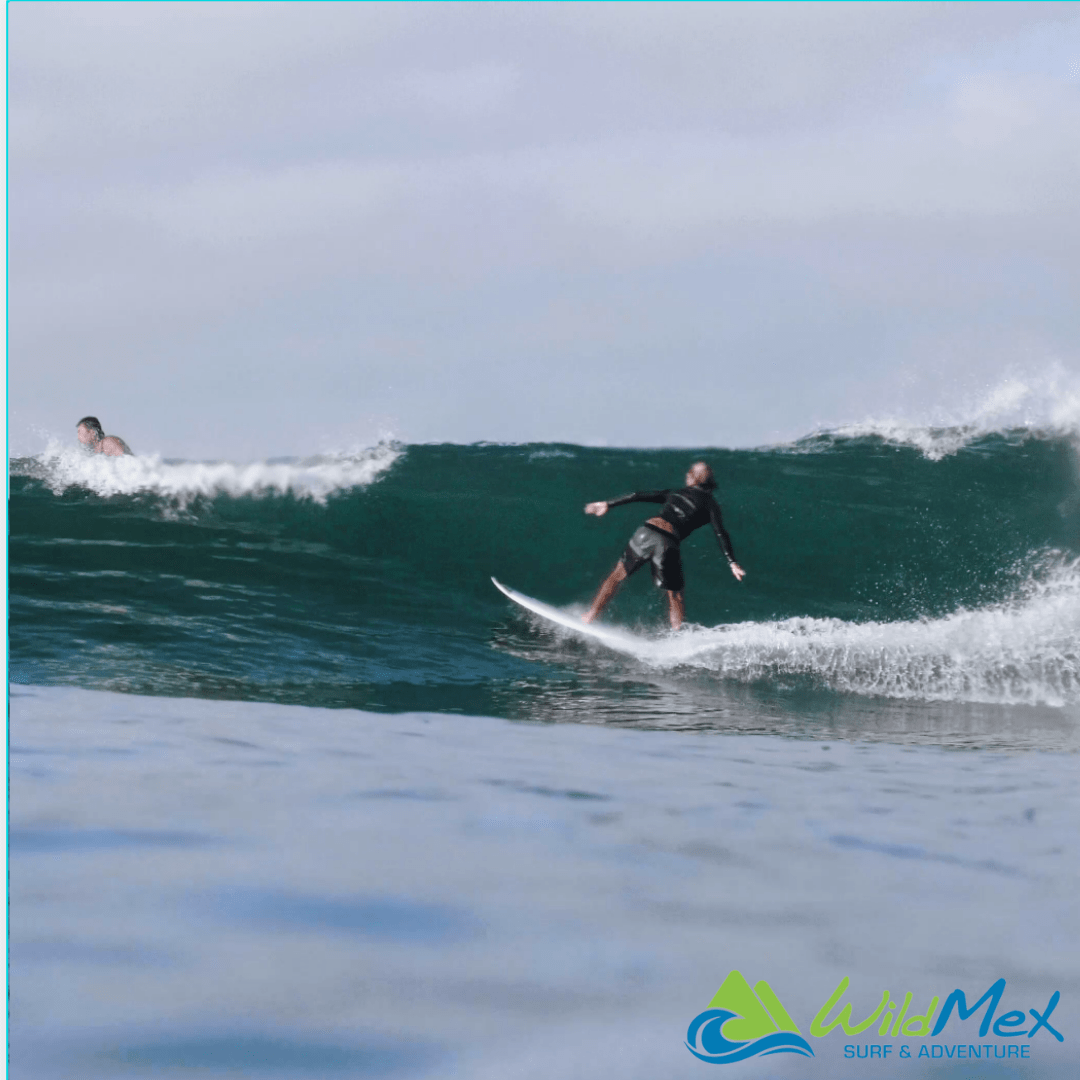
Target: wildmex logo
741	1023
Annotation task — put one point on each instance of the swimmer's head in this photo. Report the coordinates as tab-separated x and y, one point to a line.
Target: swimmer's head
89	431
700	475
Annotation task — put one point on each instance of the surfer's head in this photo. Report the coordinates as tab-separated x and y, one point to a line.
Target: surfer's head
700	475
89	431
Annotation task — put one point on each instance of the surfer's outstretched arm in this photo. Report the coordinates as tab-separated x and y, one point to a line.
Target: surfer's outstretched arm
724	540
601	508
641	496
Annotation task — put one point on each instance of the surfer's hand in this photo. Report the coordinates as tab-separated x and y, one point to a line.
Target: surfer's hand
597	508
738	571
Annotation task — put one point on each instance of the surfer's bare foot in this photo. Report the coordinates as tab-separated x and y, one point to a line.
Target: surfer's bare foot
588	617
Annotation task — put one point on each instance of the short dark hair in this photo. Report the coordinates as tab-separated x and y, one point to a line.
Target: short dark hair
93	423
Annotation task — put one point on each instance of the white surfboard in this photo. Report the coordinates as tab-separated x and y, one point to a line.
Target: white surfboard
614	639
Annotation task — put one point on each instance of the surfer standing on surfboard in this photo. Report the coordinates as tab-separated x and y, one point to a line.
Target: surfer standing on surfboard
657	541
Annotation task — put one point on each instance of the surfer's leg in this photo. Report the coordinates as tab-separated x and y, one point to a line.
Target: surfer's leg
607	591
633	559
668	575
676	609
638	552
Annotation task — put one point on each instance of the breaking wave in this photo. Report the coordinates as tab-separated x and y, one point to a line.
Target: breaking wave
1016	407
1025	651
61	468
874	568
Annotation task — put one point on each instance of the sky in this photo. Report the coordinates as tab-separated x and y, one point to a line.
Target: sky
249	230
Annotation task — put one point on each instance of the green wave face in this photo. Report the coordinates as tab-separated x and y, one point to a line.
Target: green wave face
373	589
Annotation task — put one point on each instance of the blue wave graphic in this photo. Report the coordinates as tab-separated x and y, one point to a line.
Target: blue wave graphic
705	1032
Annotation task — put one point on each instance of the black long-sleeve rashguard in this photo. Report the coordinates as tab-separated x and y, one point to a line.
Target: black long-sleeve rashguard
685	509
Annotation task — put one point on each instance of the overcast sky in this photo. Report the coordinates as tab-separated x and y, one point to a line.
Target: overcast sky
248	229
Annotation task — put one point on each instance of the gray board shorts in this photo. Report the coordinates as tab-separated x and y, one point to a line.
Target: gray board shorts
652	545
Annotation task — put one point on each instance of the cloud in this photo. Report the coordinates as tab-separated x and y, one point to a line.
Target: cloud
229	208
455	189
110	81
462	93
997	148
113	79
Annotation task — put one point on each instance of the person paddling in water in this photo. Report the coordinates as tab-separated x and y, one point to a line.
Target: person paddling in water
96	441
657	541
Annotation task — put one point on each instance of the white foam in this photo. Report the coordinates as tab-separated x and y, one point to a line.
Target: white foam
62	467
542	455
1025	651
1046	402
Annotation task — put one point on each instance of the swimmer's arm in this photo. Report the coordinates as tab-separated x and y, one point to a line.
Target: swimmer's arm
601	508
724	540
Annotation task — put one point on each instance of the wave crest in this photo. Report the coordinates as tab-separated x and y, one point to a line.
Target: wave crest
1025	651
61	468
1019	405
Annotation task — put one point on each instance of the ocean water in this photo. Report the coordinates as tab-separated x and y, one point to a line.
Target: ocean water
296	792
